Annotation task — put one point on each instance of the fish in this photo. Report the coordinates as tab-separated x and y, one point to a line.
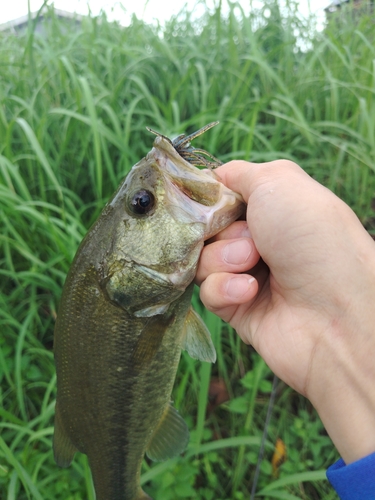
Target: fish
125	315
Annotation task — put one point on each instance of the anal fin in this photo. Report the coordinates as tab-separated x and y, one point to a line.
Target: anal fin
197	340
63	449
170	437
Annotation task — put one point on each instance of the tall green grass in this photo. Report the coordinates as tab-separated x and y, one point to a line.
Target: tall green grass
74	104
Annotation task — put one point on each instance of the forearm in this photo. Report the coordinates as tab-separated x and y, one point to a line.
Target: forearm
345	394
347	410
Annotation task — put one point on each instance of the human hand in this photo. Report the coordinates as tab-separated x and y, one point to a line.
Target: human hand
309	311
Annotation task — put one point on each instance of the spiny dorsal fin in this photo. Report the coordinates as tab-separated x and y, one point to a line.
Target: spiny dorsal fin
170	437
197	341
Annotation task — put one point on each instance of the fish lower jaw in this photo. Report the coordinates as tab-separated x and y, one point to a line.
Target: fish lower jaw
181	277
229	207
151	311
214	217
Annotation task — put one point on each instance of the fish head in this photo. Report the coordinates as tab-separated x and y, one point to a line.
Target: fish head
165	209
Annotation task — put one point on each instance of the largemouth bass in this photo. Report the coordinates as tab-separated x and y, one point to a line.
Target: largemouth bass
125	315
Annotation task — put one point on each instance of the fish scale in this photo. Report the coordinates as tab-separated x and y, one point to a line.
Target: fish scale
125	315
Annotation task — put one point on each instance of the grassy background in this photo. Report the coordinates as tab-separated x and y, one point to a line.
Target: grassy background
74	104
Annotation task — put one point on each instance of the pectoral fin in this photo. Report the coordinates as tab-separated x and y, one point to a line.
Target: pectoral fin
170	437
197	340
63	448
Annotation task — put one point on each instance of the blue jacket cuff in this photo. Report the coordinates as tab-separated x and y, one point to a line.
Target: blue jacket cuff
355	481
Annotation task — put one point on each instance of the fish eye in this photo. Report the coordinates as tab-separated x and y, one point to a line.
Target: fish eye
142	202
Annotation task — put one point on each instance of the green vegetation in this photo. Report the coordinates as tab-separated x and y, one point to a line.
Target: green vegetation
74	104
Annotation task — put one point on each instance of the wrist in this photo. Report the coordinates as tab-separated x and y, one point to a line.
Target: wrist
347	411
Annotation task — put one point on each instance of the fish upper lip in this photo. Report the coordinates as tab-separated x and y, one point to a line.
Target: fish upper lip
186	177
182	203
176	167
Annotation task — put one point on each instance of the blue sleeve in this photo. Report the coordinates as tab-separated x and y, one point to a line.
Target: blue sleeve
355	481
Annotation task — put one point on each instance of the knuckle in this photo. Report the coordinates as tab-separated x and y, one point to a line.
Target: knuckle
284	165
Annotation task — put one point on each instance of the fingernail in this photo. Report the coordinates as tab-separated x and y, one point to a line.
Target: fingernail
237	287
237	252
246	233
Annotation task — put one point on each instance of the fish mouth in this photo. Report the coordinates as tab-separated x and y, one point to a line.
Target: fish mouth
195	195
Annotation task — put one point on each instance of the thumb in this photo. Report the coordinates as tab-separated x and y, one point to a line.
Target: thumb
244	177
